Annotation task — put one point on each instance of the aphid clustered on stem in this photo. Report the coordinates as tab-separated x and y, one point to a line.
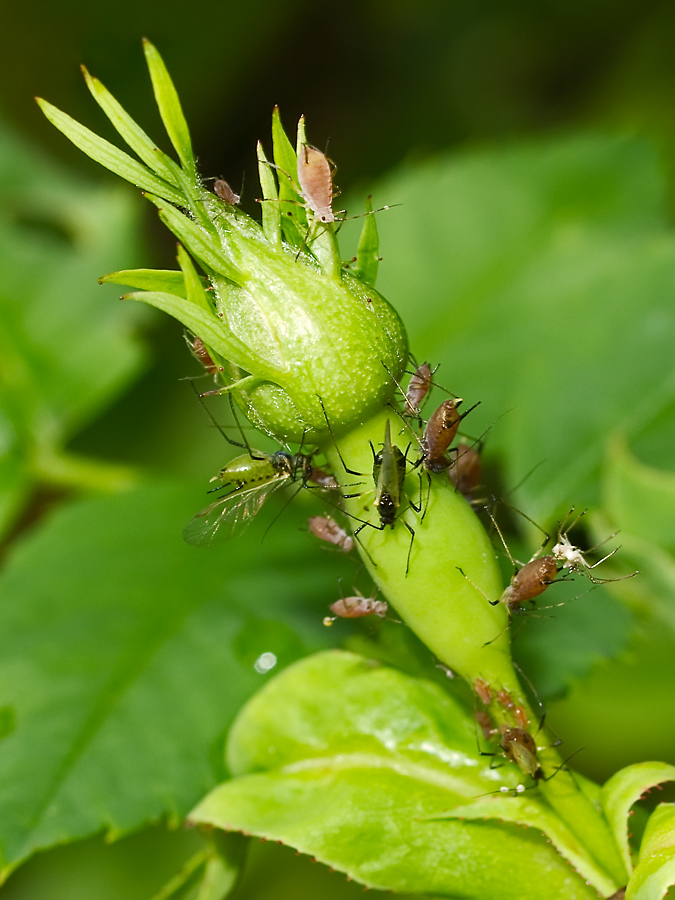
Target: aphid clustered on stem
311	353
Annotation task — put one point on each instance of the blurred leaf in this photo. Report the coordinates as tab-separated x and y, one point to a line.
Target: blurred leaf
541	276
124	654
558	646
655	871
623	790
339	756
108	155
639	498
66	345
212	873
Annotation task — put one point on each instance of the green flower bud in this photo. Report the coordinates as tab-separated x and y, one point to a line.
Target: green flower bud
292	332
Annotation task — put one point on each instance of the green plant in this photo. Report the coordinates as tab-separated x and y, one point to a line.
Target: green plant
336	736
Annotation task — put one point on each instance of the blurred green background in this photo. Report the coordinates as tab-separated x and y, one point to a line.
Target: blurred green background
383	86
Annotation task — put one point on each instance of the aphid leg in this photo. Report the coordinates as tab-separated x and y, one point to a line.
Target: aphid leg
514	562
337	448
245	445
248	382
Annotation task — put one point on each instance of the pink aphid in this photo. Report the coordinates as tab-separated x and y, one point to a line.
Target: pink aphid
418	388
316	182
358	606
483	690
327	529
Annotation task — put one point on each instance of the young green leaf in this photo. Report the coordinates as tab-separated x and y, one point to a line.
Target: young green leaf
271	208
165	281
638	498
350	762
108	155
132	133
367	258
209	252
169	106
293	216
533	812
623	790
655	871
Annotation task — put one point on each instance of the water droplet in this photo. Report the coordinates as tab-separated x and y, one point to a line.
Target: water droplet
265	662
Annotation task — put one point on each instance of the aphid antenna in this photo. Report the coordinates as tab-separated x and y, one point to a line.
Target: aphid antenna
516	563
337	447
245	445
563	765
414	414
571	599
522	481
534	693
282	511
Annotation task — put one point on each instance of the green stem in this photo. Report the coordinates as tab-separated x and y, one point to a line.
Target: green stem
444	598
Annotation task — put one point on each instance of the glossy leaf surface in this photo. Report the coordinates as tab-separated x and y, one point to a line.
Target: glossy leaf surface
351	763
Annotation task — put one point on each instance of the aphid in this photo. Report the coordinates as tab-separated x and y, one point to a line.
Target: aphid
529	582
322	479
201	354
223	190
327	529
521	717
389	471
253	478
439	433
485	722
519	712
574	560
505	699
418	387
465	471
356	607
315	177
519	747
482	688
